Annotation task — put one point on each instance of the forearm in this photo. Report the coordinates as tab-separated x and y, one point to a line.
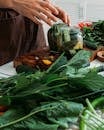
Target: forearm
5	3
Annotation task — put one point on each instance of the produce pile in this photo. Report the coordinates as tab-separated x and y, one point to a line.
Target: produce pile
53	99
93	34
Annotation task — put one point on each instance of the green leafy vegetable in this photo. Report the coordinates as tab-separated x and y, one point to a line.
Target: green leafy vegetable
94	36
49	99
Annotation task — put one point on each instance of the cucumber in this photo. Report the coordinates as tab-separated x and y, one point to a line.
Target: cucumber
91	45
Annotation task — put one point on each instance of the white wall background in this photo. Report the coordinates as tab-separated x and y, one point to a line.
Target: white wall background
80	10
95	10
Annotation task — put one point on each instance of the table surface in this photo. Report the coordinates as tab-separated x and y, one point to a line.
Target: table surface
8	70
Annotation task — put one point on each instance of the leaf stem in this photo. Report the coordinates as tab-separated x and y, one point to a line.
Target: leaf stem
38	90
88	123
25	117
57	79
91	107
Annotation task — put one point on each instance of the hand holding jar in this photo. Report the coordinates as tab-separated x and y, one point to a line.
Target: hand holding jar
37	10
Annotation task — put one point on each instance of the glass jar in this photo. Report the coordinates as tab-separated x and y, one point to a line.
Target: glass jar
76	38
62	37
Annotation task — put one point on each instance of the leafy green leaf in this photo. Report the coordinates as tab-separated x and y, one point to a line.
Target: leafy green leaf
17	118
91	81
80	59
64	113
62	60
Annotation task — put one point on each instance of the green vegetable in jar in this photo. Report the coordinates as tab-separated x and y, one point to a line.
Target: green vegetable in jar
61	37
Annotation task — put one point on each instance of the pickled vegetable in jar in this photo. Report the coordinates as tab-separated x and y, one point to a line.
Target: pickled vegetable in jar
76	38
62	37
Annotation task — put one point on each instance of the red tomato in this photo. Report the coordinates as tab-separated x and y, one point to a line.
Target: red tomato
81	24
84	24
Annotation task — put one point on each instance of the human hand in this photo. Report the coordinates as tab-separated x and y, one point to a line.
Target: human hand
63	15
37	10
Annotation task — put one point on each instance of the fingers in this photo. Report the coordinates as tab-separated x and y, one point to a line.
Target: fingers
47	13
38	10
68	20
38	17
44	18
47	4
34	18
43	13
63	16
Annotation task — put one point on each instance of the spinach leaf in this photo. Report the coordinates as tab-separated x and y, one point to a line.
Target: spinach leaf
91	81
80	59
64	113
17	119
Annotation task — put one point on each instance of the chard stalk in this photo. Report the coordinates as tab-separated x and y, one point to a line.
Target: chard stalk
88	123
95	116
91	107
